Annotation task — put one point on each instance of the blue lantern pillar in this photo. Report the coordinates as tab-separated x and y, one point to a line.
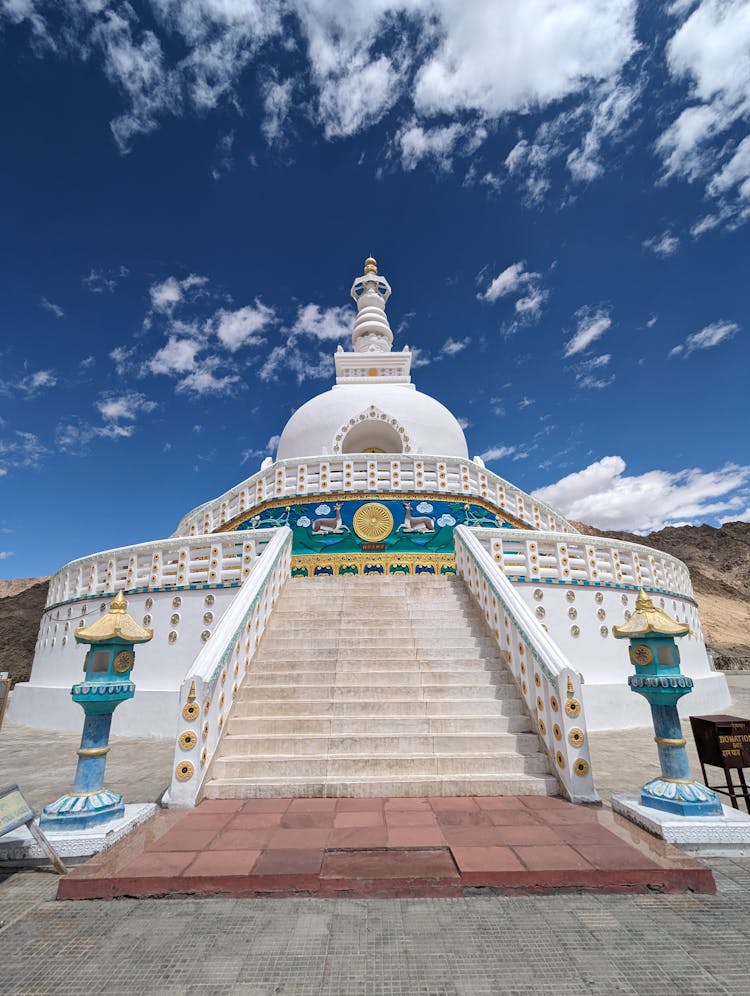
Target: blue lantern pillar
658	678
106	684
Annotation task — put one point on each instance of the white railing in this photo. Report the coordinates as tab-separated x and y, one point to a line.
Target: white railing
216	560
550	687
371	473
211	684
537	556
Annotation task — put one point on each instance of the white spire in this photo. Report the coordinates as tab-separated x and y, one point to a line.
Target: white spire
372	333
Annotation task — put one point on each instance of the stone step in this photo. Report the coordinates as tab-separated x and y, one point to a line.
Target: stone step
274	642
357	676
376	725
376	707
381	766
374	788
347	664
365	692
399	744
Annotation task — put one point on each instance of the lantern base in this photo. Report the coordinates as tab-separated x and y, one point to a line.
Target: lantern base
682	798
82	811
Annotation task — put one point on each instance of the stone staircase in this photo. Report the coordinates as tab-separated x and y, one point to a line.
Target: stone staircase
378	687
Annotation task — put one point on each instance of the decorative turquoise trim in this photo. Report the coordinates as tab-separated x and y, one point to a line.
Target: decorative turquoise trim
144	591
614	585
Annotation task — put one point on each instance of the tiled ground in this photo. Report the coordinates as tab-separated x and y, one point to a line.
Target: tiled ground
479	945
384	847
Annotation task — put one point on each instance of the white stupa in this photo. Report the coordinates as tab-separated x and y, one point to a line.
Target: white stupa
371	478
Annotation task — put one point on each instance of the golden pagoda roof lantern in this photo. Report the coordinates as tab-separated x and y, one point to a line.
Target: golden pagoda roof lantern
115	626
648	620
371	265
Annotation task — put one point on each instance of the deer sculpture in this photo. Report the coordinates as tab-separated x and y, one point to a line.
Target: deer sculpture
415	524
334	525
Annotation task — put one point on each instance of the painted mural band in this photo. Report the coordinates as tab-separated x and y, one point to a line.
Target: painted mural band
374	534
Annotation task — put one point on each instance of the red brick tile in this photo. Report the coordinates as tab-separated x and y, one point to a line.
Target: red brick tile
359	819
265	805
570	814
304	839
494	802
415	837
307	821
358	837
406	804
158	865
471	836
219	806
183	840
515	817
239	840
441	803
614	856
254	821
312	805
220	863
486	859
411	818
586	833
390	864
204	821
459	818
358	805
558	857
525	835
542	801
289	862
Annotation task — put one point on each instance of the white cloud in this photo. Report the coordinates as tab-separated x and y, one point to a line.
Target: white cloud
591	324
590	373
662	245
119	413
324	323
20	450
267	450
104	280
464	422
277	103
54	309
171	292
29	385
243	326
710	53
453	346
604	496
176	357
204	379
708	337
124	407
439	143
497	453
516	279
4	554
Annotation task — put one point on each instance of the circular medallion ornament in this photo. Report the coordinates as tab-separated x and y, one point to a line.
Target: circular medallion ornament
576	737
641	655
184	771
188	740
573	708
123	662
372	522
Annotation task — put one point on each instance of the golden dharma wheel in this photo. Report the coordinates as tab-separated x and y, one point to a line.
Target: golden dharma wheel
372	522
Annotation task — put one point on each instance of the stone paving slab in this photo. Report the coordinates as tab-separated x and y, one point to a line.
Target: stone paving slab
385	847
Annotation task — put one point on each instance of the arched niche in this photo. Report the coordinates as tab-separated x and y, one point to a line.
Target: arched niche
372	436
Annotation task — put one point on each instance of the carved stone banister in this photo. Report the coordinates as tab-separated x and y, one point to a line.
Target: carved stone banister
547	681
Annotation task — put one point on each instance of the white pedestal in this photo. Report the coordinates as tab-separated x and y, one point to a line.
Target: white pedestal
19	848
717	836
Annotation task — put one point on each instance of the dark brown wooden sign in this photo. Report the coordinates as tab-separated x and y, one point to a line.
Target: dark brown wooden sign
724	742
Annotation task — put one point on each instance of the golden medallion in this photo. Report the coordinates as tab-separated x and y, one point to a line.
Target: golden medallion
372	522
123	662
641	655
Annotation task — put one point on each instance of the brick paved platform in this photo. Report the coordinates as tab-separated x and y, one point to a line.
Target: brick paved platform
385	847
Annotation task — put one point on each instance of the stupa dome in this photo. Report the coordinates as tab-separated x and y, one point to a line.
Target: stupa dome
373	407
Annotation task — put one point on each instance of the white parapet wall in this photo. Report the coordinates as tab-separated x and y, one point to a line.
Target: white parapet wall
578	587
362	473
180	588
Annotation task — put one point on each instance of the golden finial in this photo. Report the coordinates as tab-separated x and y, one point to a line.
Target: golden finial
371	265
116	624
647	618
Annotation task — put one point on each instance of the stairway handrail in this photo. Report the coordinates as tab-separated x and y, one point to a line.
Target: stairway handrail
203	703
552	690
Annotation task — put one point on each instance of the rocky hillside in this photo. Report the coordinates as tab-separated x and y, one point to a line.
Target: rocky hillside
21	607
718	559
719	564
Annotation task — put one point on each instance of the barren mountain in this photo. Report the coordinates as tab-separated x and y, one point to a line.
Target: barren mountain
21	611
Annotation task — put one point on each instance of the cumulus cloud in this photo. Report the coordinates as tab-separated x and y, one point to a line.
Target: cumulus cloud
324	323
268	450
119	414
604	496
171	292
526	285
708	337
242	327
29	385
591	324
497	453
453	346
439	143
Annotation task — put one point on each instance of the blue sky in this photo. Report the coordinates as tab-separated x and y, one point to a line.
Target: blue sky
558	192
